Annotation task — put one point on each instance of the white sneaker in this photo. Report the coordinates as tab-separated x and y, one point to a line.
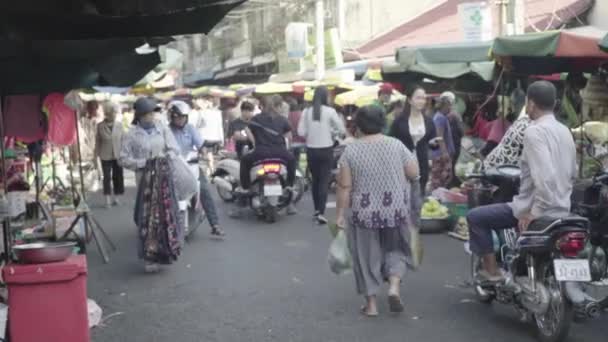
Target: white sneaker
322	220
150	267
108	202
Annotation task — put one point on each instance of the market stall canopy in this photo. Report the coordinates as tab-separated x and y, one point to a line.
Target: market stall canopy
45	66
363	96
106	19
551	52
445	61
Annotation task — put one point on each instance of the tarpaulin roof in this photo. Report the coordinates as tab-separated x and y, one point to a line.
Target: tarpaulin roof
447	61
56	45
44	66
103	19
551	52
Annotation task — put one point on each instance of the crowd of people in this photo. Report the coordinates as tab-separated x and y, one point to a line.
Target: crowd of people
394	154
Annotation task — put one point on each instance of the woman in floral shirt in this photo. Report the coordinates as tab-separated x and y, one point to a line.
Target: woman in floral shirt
509	150
377	175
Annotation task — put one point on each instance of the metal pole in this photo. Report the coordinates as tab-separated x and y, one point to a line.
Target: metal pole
341	19
520	16
6	225
320	34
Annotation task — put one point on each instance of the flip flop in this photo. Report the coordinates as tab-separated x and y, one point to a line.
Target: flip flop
365	313
395	304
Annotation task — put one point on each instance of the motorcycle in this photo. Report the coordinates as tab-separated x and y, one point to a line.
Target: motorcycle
268	194
590	200
191	210
542	265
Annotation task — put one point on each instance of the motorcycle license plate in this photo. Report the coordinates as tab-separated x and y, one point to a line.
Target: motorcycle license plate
273	190
572	270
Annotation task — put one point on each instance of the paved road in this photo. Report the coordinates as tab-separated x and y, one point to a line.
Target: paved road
272	283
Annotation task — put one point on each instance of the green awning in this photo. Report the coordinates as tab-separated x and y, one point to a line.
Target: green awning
604	43
445	61
538	44
551	52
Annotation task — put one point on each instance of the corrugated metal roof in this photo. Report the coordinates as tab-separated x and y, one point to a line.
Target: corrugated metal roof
441	24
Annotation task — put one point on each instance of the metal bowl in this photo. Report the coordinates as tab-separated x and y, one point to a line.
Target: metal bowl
43	252
435	226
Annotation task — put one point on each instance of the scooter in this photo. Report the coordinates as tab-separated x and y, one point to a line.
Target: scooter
191	210
542	265
268	194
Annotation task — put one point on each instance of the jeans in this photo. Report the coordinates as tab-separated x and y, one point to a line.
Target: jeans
112	178
207	201
259	154
320	163
483	220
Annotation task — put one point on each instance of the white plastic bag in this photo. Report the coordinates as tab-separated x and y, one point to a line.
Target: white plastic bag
95	313
186	183
340	261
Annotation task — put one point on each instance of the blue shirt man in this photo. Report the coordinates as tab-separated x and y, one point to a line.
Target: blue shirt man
189	140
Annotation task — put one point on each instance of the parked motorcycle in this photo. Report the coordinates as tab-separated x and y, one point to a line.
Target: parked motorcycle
542	265
590	200
268	194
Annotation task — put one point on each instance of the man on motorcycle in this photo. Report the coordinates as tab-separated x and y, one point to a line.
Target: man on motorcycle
548	169
268	131
190	140
237	129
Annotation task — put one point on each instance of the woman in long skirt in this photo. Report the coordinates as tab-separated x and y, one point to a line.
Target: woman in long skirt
377	174
145	150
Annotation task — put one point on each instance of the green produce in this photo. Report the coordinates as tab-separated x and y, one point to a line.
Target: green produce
432	209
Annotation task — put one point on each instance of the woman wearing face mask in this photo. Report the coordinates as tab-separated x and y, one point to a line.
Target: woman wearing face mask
146	150
416	130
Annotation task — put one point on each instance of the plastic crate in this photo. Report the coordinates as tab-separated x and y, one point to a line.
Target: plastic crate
457	209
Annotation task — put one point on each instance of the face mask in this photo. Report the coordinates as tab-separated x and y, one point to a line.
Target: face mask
146	125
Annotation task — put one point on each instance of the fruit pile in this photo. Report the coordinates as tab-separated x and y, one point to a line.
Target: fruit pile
432	209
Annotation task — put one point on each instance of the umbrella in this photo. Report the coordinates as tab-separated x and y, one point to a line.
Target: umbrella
363	96
551	52
273	88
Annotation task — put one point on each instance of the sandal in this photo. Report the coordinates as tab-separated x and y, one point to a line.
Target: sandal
366	313
395	304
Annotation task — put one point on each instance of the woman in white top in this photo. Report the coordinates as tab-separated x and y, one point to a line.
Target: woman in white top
319	124
416	130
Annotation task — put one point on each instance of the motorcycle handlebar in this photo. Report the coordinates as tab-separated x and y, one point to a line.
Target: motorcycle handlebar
603	178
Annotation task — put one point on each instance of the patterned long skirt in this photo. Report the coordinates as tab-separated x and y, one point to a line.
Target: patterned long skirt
160	227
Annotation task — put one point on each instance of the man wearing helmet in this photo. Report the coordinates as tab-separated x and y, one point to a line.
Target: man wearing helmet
190	140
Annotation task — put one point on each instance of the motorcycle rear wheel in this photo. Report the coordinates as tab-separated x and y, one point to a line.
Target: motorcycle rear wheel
270	215
554	325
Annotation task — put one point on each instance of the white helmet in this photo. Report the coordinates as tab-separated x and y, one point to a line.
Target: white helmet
179	108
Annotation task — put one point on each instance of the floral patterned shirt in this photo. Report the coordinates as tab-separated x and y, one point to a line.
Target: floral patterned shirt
509	150
380	193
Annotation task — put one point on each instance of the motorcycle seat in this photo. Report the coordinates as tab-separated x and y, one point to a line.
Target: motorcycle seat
541	224
270	160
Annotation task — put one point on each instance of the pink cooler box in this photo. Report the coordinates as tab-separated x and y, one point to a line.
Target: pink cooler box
48	302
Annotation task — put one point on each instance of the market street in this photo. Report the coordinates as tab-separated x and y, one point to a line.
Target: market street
272	283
